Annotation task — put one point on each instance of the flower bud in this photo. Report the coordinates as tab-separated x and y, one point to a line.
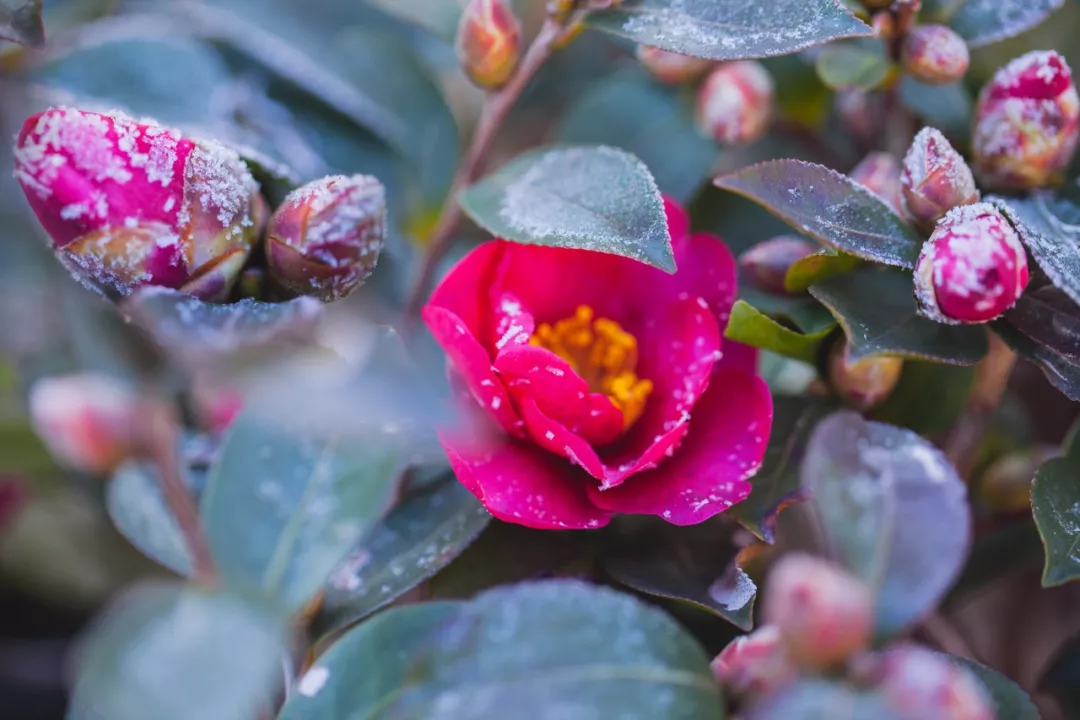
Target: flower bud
767	263
862	112
735	103
972	269
865	383
132	203
879	172
89	422
489	42
935	54
216	405
935	178
325	238
1026	123
669	67
884	26
755	664
824	613
919	684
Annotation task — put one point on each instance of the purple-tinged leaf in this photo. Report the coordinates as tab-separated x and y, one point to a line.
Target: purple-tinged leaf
982	22
22	23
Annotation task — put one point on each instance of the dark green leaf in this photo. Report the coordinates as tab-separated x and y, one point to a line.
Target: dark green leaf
1055	504
877	310
947	107
907	406
814	268
853	65
21	23
893	509
815	699
693	564
1050	230
751	327
174	652
799	311
1062	679
830	207
589	198
1010	701
1062	371
730	29
995	555
982	22
777	483
417	539
1049	317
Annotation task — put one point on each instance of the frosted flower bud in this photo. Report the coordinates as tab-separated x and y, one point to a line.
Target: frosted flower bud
1026	123
865	383
767	263
489	42
824	613
670	67
879	172
972	269
935	54
735	103
88	422
325	238
935	178
755	664
131	203
918	684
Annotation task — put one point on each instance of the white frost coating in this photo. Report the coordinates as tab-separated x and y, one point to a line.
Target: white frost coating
313	681
733	592
982	22
216	178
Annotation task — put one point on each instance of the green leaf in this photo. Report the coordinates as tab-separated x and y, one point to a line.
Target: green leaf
438	17
21	450
1010	701
816	699
730	29
996	554
948	385
1050	318
631	111
693	564
752	327
1055	504
777	483
422	535
893	509
799	311
814	268
946	107
21	23
830	207
588	198
1062	371
1050	230
853	65
982	22
173	652
877	310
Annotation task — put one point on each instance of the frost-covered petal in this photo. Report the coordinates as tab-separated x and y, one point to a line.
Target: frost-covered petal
466	290
603	423
559	440
533	373
706	269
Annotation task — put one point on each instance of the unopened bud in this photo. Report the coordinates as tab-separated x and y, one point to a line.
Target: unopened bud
767	263
735	103
1026	123
216	405
919	684
669	67
935	54
489	42
325	238
865	383
824	613
89	422
972	269
131	203
755	664
935	178
862	112
879	172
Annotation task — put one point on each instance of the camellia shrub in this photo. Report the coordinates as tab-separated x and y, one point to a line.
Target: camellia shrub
488	359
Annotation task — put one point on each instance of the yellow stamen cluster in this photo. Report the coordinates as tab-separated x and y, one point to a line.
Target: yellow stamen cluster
602	353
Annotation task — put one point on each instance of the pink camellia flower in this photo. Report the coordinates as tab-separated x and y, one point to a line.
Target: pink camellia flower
606	384
755	664
131	203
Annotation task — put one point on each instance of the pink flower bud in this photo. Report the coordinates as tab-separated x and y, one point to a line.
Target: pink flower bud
132	203
865	383
935	178
862	112
735	103
972	269
489	42
755	664
767	263
935	54
824	613
216	405
325	238
919	684
1026	123
879	172
89	422
669	67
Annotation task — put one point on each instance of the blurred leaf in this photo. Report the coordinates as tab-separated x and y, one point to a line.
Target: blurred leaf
587	198
693	564
853	65
1055	504
751	327
1051	232
907	406
1062	678
894	510
1050	318
173	652
777	483
21	23
982	22
1062	371
995	555
422	535
949	108
21	450
799	310
729	29
814	268
830	207
815	699
1010	701
440	17
631	111
877	310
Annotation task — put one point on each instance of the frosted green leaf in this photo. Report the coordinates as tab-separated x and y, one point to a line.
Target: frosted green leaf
982	22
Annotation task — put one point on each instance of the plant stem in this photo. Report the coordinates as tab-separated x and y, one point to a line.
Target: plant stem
991	381
496	107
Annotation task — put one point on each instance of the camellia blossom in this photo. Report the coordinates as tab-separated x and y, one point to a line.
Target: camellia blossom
599	397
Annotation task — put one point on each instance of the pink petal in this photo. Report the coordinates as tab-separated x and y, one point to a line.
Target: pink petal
603	423
533	372
678	222
465	291
737	356
709	472
513	323
706	269
557	439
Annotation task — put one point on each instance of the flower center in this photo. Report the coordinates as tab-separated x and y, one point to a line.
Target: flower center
602	353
